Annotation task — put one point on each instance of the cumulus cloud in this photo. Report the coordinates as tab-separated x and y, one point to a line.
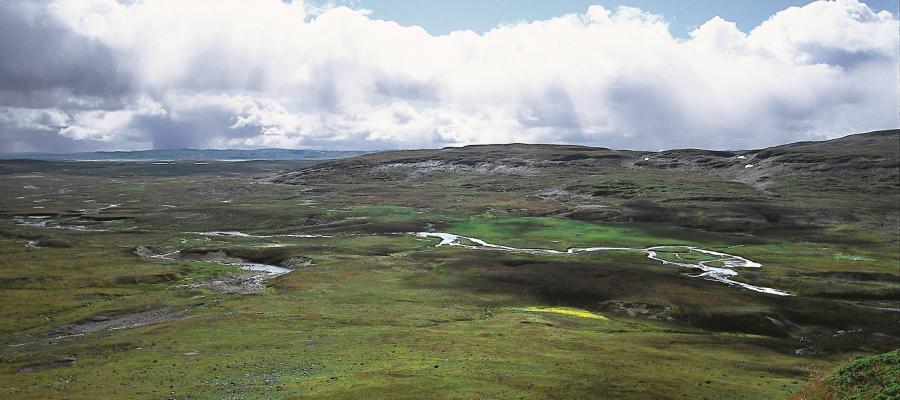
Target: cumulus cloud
161	74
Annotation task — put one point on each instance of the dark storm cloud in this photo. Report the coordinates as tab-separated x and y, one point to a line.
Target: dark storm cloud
196	130
38	54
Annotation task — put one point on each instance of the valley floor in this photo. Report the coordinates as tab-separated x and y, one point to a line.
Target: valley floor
207	281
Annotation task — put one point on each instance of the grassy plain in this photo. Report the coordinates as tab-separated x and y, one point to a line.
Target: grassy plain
382	313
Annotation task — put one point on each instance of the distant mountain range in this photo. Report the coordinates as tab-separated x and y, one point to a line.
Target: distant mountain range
192	154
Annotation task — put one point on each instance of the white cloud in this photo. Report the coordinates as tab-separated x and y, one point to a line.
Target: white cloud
105	125
99	125
220	73
33	119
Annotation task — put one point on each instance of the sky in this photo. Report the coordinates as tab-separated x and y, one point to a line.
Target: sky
443	17
84	75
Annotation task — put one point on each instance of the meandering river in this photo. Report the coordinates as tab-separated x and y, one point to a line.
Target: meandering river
723	273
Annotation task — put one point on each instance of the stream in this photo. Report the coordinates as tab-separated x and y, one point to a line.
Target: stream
721	274
269	270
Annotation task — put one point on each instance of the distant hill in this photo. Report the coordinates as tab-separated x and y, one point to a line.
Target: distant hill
873	155
192	154
851	180
871	159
